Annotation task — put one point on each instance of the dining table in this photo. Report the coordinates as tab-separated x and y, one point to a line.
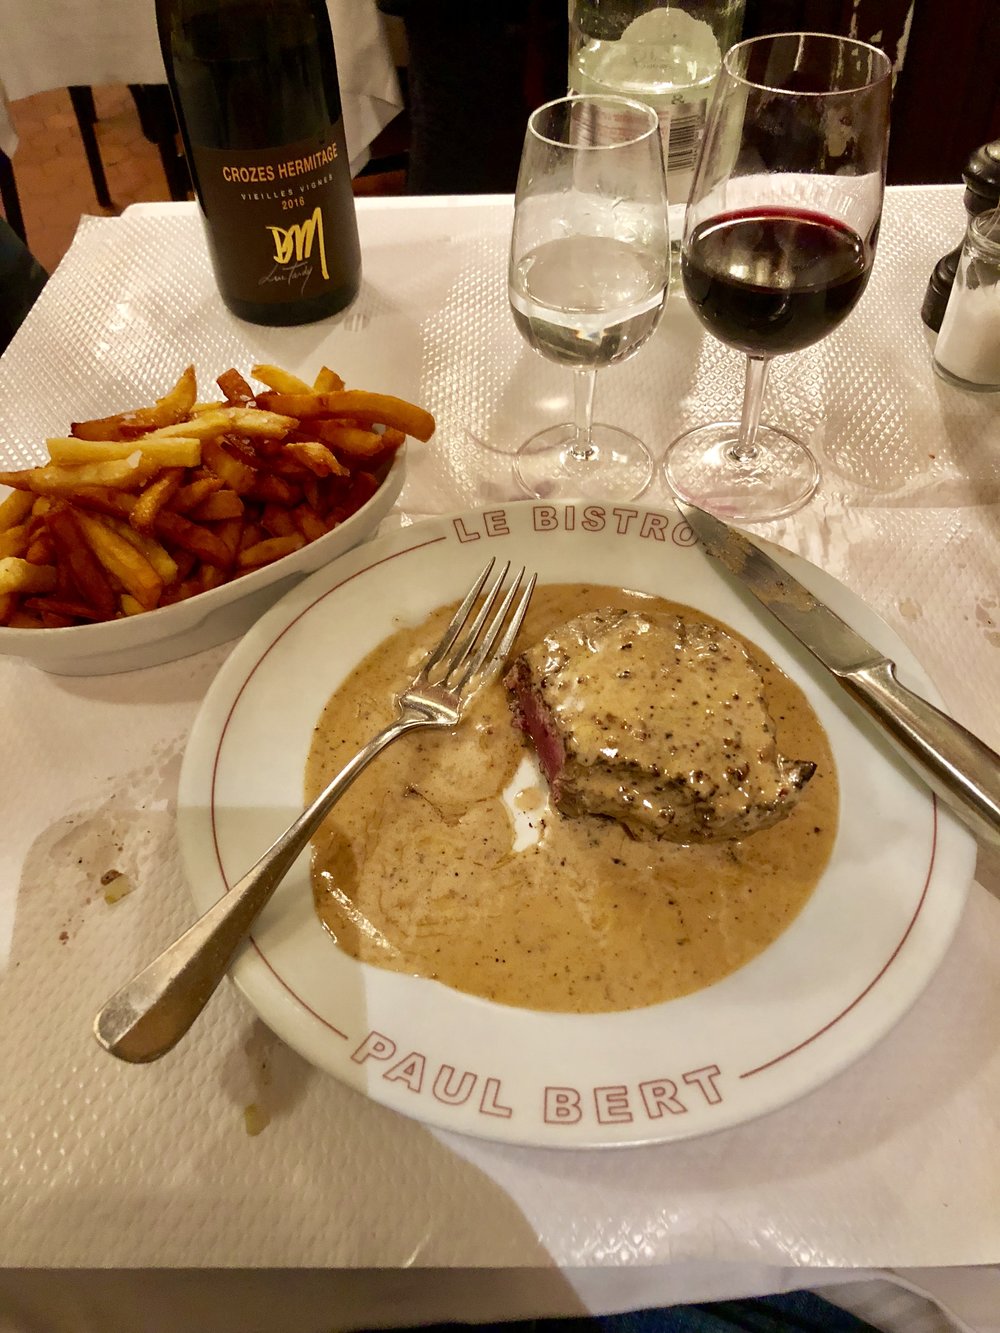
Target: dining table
80	43
235	1180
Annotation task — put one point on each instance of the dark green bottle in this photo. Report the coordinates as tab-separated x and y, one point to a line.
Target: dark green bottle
255	88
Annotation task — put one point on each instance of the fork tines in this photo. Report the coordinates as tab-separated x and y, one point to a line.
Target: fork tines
486	643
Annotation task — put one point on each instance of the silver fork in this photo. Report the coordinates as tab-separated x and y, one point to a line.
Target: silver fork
151	1013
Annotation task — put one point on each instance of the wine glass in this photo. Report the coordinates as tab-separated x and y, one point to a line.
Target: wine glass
779	239
589	271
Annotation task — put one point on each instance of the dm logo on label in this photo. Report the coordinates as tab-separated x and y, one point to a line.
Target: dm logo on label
293	245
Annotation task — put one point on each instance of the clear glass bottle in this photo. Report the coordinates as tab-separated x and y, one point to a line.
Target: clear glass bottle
967	353
666	53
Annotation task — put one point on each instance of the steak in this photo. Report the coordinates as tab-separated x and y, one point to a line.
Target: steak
657	721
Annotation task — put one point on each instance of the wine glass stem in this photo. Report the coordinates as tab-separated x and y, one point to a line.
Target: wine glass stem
745	448
583	410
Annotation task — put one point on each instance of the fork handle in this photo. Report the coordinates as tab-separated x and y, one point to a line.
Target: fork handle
151	1013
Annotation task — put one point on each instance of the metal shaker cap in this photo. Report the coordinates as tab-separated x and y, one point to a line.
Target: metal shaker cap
981	174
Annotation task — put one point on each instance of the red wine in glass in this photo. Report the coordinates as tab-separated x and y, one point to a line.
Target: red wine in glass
770	280
779	237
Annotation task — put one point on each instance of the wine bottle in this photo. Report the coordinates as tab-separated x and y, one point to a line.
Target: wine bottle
255	89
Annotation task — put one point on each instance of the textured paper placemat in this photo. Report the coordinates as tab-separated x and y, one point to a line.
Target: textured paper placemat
895	1162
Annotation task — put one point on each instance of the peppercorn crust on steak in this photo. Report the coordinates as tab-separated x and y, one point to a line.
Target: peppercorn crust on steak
657	721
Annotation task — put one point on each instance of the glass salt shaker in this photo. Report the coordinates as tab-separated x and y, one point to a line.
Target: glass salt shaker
967	353
981	175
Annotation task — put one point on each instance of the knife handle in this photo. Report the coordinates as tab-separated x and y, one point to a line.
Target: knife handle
957	765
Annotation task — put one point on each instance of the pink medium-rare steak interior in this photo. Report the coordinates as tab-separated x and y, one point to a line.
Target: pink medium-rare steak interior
532	715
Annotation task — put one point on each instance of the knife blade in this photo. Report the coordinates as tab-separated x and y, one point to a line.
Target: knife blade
954	763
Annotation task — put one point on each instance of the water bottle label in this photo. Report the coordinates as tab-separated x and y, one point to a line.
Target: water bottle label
272	216
681	127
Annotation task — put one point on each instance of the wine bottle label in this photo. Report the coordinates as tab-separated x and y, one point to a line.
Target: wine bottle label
272	217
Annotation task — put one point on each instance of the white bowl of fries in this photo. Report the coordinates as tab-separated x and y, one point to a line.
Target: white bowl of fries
158	532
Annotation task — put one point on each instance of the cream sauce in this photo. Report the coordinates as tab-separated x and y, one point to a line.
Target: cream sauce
414	870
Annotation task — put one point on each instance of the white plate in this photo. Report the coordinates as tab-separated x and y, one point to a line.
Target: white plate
823	994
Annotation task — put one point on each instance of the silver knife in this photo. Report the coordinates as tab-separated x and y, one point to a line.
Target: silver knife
953	762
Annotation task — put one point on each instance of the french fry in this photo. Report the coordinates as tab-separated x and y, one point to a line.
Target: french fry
393	439
236	474
271	548
308	522
241	446
172	407
368	408
192	537
350	440
123	562
274	489
230	533
21	619
363	487
235	388
14	509
317	458
51	619
7	604
223	504
154	497
75	555
174	451
14	541
120	473
61	610
175	405
211	576
17	575
188	497
165	564
40	549
283	381
185	561
252	534
284	464
220	420
315	496
100	499
106	428
327	381
180	592
277	520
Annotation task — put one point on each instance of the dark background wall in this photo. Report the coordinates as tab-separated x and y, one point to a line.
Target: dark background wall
946	100
477	70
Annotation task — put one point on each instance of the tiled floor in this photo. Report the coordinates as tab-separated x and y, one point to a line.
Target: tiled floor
53	179
51	171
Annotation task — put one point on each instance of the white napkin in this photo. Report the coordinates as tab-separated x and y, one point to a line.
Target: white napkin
63	43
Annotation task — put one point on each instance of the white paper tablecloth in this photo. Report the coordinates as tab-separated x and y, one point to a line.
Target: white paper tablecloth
894	1164
62	43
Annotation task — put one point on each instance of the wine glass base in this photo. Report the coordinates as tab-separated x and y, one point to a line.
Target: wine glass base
701	467
617	467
